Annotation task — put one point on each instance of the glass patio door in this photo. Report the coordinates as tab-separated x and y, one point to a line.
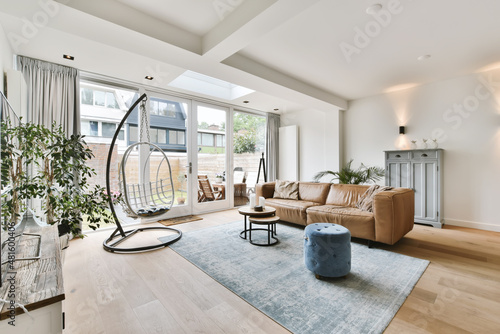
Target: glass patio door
212	190
169	129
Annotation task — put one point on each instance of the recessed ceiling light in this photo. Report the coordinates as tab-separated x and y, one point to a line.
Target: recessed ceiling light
424	57
246	101
68	57
373	9
148	77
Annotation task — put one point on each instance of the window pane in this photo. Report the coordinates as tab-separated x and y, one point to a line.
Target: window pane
87	96
162	108
111	101
181	138
171	110
133	133
153	107
85	128
207	139
94	128
99	98
108	129
220	141
121	135
199	139
172	137
162	136
153	133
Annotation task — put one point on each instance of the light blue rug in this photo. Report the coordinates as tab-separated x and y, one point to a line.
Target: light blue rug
274	280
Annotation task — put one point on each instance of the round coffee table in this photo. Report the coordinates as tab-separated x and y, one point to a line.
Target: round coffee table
246	211
270	222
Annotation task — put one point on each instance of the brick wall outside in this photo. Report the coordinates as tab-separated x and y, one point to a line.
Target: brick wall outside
98	163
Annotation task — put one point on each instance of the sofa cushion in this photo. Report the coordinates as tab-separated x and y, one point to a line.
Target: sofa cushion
293	211
345	194
286	190
360	223
313	192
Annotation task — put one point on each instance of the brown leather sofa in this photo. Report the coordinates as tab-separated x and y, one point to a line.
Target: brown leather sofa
391	219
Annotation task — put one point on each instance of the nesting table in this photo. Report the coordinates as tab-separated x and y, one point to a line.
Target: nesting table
267	217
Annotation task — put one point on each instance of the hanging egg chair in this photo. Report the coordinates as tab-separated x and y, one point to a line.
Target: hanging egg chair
146	194
151	198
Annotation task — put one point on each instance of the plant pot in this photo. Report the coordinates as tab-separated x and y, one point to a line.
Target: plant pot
64	236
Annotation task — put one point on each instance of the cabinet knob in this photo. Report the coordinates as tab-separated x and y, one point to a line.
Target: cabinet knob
424	155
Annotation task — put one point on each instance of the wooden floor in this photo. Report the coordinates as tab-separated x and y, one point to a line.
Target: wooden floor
161	292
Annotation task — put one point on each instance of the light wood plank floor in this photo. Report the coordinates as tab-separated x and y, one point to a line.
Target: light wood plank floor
161	292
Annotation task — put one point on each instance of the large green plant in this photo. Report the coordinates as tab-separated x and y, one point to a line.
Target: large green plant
245	142
348	175
58	175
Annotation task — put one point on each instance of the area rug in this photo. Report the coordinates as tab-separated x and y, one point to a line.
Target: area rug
179	220
274	280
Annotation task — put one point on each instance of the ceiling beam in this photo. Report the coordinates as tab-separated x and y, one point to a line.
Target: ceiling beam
250	66
248	22
125	16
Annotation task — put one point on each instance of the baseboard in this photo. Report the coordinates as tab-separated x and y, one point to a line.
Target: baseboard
479	226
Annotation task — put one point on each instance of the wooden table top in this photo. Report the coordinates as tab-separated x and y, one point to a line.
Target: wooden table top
264	220
247	211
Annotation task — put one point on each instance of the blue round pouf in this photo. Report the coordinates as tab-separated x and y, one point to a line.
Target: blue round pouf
327	249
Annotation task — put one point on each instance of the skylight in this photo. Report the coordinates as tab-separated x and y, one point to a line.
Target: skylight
206	85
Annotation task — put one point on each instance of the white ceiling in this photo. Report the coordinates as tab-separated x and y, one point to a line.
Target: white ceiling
288	51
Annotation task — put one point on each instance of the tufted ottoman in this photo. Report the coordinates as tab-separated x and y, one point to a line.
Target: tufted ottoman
327	249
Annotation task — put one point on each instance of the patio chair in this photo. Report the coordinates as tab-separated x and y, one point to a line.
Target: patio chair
240	187
208	192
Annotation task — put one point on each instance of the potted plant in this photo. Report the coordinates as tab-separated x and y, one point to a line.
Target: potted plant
58	177
348	175
219	178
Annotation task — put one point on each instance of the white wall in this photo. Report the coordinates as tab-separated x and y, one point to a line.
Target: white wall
464	114
319	140
6	57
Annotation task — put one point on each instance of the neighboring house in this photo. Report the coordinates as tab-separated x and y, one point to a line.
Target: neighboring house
167	125
212	137
103	108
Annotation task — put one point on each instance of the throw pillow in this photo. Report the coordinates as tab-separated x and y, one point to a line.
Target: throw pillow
286	190
365	202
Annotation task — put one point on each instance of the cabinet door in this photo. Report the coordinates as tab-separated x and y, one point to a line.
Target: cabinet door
398	174
425	185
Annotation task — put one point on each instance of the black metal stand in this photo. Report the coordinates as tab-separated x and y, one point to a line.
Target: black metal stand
262	164
119	234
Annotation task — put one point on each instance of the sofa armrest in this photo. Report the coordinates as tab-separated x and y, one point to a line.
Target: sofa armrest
265	190
394	212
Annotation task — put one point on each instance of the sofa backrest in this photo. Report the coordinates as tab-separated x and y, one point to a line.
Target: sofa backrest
314	192
345	194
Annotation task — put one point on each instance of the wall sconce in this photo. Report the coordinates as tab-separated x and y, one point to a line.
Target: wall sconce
401	130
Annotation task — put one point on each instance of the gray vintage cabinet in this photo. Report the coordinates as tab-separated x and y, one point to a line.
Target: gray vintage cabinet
420	170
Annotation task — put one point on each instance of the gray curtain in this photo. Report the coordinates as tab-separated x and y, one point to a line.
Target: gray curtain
53	93
272	146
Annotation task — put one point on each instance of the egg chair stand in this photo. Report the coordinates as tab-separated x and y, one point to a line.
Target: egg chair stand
111	244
